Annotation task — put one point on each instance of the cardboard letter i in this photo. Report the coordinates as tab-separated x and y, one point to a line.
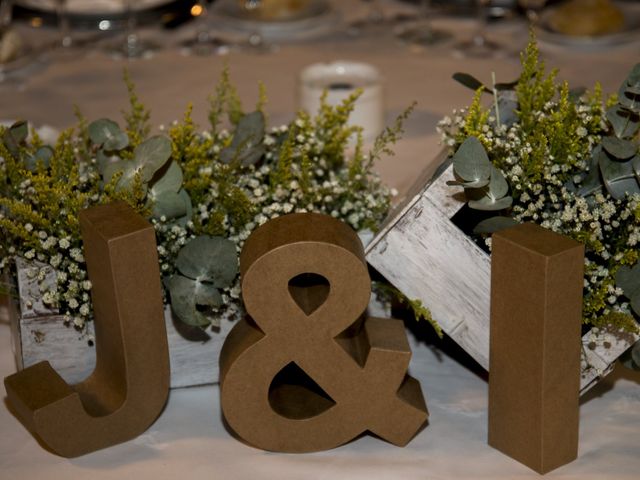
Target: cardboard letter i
534	372
129	386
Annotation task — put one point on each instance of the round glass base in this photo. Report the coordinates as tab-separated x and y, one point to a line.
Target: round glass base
204	45
133	47
479	47
424	35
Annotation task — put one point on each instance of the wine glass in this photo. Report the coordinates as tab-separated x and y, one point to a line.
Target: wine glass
203	42
375	22
64	26
479	46
133	46
532	9
17	57
422	32
255	41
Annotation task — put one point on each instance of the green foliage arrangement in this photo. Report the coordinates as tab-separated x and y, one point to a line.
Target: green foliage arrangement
567	160
204	192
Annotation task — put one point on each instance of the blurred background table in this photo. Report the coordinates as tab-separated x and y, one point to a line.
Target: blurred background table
189	439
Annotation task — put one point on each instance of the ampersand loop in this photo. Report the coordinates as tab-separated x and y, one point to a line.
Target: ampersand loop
305	286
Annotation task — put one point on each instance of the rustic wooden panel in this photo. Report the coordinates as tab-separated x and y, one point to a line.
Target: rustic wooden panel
423	254
192	362
68	351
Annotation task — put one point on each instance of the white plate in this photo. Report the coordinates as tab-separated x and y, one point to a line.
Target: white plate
630	32
317	20
91	7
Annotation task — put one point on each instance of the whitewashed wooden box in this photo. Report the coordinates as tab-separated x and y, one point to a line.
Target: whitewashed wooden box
38	334
423	254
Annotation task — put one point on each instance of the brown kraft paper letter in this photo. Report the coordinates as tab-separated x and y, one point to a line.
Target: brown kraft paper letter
294	378
129	386
536	315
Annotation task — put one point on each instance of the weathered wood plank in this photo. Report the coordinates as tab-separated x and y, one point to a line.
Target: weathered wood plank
423	254
193	361
68	351
413	256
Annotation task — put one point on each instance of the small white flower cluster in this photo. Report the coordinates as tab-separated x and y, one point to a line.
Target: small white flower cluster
360	202
327	184
608	227
170	238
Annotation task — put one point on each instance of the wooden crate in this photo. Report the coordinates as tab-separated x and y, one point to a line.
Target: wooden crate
423	254
38	333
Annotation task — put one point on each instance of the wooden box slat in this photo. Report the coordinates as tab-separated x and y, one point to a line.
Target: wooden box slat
423	254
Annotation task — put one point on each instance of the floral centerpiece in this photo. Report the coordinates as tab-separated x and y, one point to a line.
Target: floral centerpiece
567	160
204	192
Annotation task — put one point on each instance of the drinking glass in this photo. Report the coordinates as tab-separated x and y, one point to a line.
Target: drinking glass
133	46
532	9
256	42
17	57
479	46
422	32
204	42
64	26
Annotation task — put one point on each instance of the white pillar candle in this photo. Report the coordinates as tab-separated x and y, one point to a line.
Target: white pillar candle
340	79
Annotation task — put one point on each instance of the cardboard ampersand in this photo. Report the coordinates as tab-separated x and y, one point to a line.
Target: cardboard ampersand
130	383
293	376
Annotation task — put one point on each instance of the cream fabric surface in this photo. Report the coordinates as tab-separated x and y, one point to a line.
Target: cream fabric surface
189	440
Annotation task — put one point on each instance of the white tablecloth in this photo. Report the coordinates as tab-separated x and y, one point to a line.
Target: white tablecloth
189	439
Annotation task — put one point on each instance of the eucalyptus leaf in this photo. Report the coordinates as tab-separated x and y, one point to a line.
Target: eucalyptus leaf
593	181
211	259
627	359
42	156
148	157
151	155
469	81
632	90
571	186
576	93
246	147
628	279
120	141
19	131
103	159
107	133
489	204
127	174
207	294
635	162
170	181
620	149
14	136
494	224
628	99
506	85
186	200
168	204
635	305
462	183
470	162
624	122
634	76
186	294
498	186
618	177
